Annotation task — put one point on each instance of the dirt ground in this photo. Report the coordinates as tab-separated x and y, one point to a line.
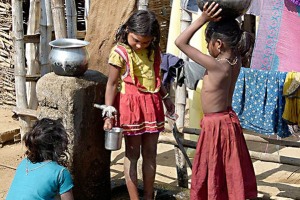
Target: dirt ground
275	181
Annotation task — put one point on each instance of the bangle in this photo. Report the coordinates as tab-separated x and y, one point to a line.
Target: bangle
166	96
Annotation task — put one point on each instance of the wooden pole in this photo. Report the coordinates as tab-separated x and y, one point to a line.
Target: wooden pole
26	112
274	158
32	52
46	27
71	15
271	141
143	4
180	99
171	140
19	62
8	166
267	157
86	12
249	136
59	19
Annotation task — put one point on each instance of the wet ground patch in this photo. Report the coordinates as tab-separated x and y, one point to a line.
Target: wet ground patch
162	192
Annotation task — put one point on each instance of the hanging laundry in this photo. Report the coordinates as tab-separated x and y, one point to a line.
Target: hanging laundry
297	2
278	34
185	72
255	7
190	74
190	6
259	103
291	91
168	67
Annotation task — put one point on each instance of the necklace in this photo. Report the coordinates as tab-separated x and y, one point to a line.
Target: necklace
42	165
226	59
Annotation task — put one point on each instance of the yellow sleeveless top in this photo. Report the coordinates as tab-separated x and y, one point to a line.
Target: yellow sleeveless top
143	67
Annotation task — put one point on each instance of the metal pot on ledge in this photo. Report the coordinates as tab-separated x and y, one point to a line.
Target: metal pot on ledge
69	57
230	8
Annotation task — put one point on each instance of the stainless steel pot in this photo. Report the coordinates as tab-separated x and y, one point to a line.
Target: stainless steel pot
69	57
113	139
230	8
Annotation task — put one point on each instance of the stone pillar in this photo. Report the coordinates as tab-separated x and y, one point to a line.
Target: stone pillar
71	99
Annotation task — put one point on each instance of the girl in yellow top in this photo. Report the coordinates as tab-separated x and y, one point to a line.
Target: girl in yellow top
134	89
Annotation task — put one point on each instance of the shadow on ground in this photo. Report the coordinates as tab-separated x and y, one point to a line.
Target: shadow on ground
162	192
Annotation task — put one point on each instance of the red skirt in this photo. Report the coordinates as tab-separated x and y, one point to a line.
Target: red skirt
222	167
139	112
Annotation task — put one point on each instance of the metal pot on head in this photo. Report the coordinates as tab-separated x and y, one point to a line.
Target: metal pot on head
230	8
69	57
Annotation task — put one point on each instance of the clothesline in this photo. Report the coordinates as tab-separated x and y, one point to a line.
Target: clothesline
258	99
259	102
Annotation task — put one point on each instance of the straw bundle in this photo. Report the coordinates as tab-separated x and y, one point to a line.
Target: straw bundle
162	9
7	87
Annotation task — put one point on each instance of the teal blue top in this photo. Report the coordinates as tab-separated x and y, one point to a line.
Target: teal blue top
43	180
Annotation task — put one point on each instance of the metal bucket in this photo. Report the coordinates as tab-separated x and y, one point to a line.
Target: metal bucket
113	139
69	57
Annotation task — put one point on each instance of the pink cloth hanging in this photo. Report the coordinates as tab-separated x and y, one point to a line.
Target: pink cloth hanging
276	47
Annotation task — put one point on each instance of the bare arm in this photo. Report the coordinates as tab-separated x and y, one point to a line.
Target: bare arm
67	195
111	91
182	42
163	92
112	84
167	100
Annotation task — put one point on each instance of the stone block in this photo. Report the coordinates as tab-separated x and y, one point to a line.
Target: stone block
71	99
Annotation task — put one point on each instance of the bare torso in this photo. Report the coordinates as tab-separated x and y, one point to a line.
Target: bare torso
218	87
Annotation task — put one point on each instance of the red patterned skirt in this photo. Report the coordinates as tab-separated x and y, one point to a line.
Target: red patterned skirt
222	167
139	112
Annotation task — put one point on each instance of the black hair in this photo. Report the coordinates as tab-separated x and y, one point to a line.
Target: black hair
141	22
230	33
247	45
48	140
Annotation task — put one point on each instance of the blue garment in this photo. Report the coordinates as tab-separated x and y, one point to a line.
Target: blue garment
168	66
259	103
43	181
186	72
190	6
